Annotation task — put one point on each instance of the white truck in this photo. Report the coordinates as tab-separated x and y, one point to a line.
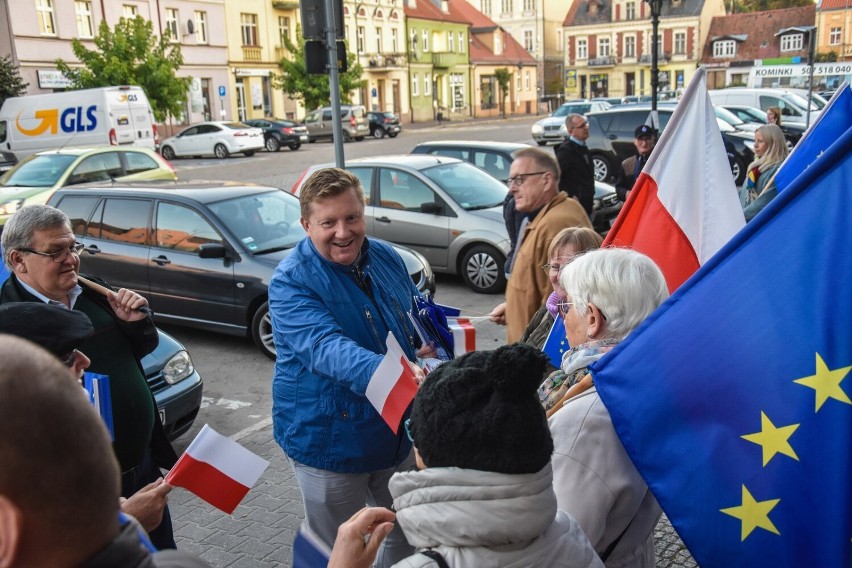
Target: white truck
88	117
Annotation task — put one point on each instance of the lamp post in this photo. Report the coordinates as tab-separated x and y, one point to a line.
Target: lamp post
656	6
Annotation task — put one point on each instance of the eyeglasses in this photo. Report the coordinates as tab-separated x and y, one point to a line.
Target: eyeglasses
554	268
521	178
407	425
69	359
60	255
564	307
584	125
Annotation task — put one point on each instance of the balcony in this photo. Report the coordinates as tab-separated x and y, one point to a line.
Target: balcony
607	61
384	61
284	5
445	60
252	54
645	58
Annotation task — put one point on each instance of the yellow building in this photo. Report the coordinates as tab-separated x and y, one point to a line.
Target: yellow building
833	21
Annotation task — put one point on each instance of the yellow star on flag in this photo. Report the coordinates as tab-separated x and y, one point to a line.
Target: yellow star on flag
826	383
753	514
773	440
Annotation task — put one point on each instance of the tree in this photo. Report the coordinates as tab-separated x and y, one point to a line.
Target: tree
826	57
503	77
314	90
132	55
740	6
11	84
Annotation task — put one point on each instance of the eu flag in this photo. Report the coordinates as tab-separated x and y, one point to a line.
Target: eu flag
836	118
733	398
556	343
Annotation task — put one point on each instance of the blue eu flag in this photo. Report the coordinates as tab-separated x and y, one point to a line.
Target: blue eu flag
733	399
556	343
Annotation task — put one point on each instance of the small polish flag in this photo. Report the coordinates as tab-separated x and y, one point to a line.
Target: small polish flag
684	205
464	335
392	388
217	469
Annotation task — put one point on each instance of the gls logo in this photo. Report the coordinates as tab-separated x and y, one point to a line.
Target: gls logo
125	98
71	120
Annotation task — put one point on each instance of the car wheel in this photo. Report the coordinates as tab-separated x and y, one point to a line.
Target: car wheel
379	133
220	151
482	269
602	169
167	152
359	138
738	170
295	145
272	144
393	134
261	331
248	153
541	142
346	136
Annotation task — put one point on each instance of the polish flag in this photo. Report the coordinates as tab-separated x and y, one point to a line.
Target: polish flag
464	335
217	469
684	206
392	388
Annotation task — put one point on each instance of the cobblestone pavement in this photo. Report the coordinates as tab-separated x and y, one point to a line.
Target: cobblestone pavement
261	530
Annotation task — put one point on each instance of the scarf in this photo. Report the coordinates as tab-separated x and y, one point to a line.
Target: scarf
574	377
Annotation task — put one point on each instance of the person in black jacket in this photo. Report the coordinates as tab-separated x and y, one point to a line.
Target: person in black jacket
644	139
575	163
40	250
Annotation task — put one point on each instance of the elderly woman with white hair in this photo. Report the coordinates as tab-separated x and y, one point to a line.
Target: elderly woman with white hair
609	293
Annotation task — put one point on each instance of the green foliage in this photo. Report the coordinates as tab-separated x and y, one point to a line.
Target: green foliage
314	90
11	84
740	6
826	57
503	77
132	55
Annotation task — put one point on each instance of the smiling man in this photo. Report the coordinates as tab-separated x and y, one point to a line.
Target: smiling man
333	301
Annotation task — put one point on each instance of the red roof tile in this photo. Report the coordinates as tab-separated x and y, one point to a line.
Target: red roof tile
758	29
833	5
428	10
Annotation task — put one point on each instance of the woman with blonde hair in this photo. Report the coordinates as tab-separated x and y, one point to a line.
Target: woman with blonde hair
770	150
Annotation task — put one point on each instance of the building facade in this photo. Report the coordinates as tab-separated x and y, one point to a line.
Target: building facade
833	21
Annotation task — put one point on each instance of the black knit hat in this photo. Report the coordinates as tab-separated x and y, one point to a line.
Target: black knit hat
58	330
481	411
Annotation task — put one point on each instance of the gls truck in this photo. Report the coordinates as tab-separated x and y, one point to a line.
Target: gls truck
89	117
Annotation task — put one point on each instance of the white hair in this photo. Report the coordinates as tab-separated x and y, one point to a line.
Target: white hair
625	285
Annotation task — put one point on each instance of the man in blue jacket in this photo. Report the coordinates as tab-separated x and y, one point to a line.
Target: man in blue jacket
333	302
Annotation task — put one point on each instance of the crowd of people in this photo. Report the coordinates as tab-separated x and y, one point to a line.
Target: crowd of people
502	459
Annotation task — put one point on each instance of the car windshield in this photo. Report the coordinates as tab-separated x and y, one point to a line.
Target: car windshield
467	185
263	222
38	171
728	116
798	102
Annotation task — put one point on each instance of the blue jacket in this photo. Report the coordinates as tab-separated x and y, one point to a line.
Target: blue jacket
330	337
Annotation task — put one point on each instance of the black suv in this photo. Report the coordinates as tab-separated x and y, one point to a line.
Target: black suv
277	133
611	140
382	123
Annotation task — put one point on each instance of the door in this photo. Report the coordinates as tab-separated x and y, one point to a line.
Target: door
186	141
184	285
397	99
398	218
381	91
241	101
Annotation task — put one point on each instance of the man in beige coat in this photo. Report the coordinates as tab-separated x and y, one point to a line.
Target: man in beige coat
533	182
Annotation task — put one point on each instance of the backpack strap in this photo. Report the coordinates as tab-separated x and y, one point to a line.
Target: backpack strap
436	556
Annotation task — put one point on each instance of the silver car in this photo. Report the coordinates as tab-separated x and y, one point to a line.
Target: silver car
353	120
446	209
552	128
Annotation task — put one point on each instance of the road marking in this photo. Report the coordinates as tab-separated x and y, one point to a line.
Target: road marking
245	432
229	404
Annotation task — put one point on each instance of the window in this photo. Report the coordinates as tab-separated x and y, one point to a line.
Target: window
630	10
451	42
248	28
122	220
412	41
486	7
629	46
425	40
724	48
582	49
427	84
529	5
85	26
394	40
603	47
461	42
138	162
100	167
129	11
792	42
365	175
46	23
680	43
401	190
172	23
506	6
379	46
360	40
528	40
834	36
181	228
415	84
527	83
560	40
78	209
201	27
283	30
518	81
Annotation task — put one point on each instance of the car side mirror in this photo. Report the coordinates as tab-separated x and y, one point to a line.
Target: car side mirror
212	250
430	207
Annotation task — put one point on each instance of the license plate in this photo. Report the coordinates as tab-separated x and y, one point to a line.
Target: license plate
303	138
162	415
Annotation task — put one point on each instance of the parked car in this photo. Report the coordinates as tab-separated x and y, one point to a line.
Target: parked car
353	118
215	138
613	101
203	253
278	133
548	129
496	159
173	380
794	107
446	209
793	131
733	120
383	123
35	178
611	139
7	161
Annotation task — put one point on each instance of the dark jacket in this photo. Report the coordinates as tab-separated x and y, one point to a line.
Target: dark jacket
127	551
143	338
578	173
627	175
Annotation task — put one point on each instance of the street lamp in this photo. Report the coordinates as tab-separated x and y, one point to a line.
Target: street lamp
656	6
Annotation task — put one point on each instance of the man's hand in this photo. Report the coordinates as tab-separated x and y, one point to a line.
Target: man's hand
126	303
419	373
359	538
427	351
498	314
147	504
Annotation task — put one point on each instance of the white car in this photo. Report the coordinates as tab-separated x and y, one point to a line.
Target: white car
215	138
552	128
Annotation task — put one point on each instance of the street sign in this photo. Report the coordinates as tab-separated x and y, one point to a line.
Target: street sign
221	90
314	19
